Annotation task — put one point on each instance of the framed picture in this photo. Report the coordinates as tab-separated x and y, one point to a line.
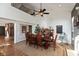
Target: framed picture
59	29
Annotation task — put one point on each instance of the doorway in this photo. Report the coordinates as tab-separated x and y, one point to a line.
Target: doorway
2	34
9	33
6	37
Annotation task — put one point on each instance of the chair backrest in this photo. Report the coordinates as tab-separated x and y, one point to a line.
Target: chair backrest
47	36
26	34
39	37
52	35
30	36
55	38
33	37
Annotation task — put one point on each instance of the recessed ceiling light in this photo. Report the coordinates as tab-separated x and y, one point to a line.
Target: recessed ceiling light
59	5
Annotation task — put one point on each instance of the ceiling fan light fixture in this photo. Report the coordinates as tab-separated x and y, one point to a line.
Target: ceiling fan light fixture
41	13
60	5
39	10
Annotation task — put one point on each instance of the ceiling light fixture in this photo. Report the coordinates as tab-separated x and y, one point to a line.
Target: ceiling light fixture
60	5
40	12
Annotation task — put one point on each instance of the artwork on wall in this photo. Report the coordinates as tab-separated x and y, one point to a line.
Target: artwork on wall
59	29
2	30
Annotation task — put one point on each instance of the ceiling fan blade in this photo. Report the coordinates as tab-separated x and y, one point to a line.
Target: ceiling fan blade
44	10
46	13
41	15
33	13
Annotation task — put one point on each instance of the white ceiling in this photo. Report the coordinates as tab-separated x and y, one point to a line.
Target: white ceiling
65	7
55	9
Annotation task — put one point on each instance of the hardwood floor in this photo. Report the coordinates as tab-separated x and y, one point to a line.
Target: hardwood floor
33	51
1	40
7	48
21	49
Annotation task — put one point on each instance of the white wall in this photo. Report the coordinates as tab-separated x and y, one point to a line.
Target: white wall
11	13
58	18
19	36
2	24
63	19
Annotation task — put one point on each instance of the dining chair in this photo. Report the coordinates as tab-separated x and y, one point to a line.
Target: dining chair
39	39
32	40
54	42
46	41
27	37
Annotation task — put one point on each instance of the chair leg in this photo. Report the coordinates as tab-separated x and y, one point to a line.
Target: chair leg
54	46
34	45
37	45
26	41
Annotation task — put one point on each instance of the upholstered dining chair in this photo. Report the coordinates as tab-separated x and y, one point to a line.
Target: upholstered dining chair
51	39
32	40
51	36
39	39
46	38
27	37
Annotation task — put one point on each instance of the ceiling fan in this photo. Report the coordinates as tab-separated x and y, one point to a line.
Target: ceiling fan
40	12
